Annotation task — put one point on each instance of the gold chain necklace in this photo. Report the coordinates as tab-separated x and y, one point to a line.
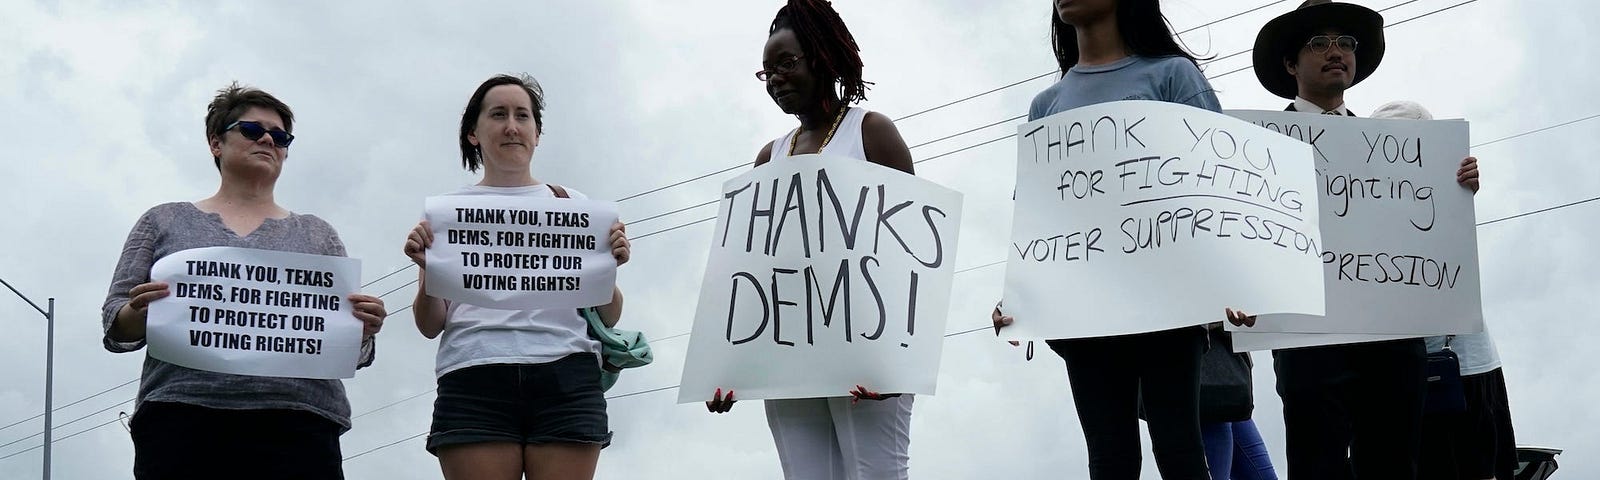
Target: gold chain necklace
836	121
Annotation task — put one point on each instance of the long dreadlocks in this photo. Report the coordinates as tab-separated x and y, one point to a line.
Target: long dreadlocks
833	52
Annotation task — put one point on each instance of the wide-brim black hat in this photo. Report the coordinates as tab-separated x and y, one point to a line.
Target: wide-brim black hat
1285	35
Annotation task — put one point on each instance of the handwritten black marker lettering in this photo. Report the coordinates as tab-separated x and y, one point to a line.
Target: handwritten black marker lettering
877	297
755	212
794	201
733	305
1394	149
848	231
777	307
841	285
730	196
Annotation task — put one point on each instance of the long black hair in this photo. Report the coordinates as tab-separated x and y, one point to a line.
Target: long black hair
832	51
1144	31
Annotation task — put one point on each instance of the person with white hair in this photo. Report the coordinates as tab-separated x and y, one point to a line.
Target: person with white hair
1478	443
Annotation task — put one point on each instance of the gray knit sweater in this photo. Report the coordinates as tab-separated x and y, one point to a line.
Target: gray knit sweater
173	227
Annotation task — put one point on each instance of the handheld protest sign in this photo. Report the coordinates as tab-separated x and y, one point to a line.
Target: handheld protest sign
256	312
1249	341
519	253
1139	216
824	273
1400	244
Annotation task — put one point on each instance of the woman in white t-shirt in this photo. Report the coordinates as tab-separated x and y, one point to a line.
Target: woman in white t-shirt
812	70
519	390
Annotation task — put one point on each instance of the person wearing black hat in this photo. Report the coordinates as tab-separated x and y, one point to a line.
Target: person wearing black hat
1353	410
1309	55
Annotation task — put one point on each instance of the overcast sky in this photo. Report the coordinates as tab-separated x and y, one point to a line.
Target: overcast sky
103	105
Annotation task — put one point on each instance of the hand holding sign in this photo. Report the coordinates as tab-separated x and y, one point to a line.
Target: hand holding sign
417	243
1239	319
130	324
719	403
1467	176
861	393
369	310
621	249
1001	321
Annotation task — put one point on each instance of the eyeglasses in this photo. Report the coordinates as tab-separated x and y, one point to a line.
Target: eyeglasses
784	67
1320	44
253	131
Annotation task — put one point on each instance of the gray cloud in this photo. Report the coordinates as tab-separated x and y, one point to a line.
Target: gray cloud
105	103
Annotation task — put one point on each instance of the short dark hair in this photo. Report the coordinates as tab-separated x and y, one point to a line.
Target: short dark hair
1144	30
471	158
830	49
232	101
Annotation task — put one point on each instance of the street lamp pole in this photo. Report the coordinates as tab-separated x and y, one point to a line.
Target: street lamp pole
49	367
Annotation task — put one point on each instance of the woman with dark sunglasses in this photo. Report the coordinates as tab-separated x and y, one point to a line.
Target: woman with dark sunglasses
192	423
519	390
812	69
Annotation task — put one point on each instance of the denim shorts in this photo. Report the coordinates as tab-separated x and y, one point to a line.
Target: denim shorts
526	404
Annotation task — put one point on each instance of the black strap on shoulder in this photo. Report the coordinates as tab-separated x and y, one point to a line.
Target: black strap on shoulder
560	192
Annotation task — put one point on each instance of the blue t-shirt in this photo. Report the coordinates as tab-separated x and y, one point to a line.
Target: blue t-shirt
1166	79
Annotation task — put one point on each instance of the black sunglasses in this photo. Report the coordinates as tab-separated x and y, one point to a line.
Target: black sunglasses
253	131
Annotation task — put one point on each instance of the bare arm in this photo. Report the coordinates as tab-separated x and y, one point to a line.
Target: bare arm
765	155
428	311
611	313
883	144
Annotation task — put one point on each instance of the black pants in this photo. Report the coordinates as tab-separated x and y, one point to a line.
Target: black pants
1107	376
1353	411
178	441
1475	444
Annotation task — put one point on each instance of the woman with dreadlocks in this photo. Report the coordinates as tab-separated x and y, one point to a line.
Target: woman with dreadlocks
812	69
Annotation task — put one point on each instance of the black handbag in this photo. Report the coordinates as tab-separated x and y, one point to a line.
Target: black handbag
1443	374
1225	384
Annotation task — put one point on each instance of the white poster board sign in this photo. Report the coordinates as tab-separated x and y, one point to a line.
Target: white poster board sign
519	253
1139	216
256	312
1247	341
824	273
1400	242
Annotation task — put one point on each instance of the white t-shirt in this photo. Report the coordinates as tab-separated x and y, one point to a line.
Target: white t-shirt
1475	351
476	335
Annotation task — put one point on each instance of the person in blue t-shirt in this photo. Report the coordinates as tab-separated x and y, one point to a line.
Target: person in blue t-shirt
1113	50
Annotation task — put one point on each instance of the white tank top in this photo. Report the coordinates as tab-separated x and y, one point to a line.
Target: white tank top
846	141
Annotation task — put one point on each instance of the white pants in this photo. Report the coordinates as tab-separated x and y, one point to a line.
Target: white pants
832	439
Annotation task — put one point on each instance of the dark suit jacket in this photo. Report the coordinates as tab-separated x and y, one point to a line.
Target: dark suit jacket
1292	109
